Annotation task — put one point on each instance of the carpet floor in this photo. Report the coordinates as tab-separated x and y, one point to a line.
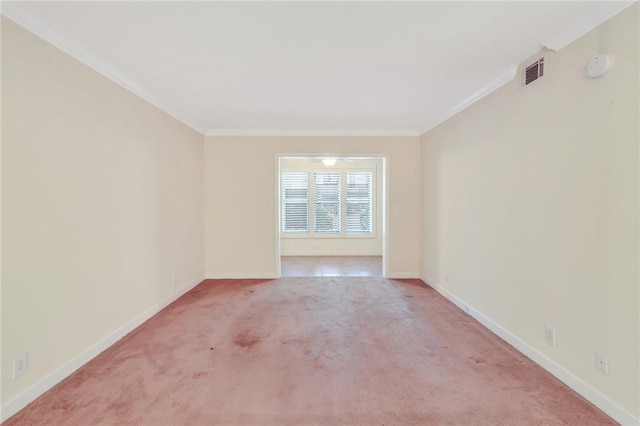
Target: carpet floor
311	351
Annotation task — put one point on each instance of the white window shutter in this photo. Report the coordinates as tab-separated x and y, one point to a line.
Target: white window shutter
326	203
358	202
295	202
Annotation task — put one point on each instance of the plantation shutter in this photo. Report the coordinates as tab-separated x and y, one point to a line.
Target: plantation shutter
358	202
295	202
326	202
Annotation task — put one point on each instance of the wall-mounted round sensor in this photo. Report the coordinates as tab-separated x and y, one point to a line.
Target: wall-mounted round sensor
599	65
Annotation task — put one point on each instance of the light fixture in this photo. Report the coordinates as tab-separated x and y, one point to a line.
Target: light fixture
329	161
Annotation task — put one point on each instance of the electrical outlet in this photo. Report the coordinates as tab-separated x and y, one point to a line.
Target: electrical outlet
602	363
446	278
19	365
550	335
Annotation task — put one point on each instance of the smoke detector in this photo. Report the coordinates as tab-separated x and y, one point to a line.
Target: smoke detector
599	65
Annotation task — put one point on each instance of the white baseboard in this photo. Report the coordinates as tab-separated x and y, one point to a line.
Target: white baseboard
402	276
612	409
327	253
242	276
20	401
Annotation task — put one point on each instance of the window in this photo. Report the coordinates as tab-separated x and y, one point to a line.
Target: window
295	202
358	202
326	202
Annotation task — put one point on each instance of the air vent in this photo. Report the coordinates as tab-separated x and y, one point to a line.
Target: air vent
533	72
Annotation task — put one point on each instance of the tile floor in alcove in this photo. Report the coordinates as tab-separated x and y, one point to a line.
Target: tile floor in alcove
331	266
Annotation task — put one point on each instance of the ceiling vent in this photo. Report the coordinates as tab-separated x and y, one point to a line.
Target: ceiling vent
533	72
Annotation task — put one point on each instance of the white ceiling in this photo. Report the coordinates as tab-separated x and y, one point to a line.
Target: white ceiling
365	68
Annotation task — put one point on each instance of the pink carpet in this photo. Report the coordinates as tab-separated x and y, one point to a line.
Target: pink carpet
302	351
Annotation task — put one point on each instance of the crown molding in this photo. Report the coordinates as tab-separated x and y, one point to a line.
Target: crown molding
502	79
312	132
35	25
601	12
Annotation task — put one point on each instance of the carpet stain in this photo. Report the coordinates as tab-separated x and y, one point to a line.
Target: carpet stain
198	374
64	404
246	339
79	377
120	406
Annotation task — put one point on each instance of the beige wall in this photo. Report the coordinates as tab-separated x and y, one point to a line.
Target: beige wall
293	244
241	227
530	201
101	208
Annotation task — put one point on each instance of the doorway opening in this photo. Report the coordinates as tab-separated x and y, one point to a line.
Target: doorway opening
331	218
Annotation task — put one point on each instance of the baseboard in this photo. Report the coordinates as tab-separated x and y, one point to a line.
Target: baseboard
242	276
402	276
23	399
328	253
259	276
612	409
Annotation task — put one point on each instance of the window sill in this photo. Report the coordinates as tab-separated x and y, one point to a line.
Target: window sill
313	236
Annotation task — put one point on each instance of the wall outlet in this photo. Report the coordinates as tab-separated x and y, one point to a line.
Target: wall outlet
602	363
19	365
446	278
550	335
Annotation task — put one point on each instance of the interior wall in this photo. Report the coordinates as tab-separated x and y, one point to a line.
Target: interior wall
530	201
293	244
241	176
102	210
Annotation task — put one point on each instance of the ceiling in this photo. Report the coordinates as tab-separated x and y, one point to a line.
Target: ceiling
344	68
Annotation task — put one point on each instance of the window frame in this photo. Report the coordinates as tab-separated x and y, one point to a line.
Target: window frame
310	234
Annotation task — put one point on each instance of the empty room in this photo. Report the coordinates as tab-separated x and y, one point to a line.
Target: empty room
320	213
